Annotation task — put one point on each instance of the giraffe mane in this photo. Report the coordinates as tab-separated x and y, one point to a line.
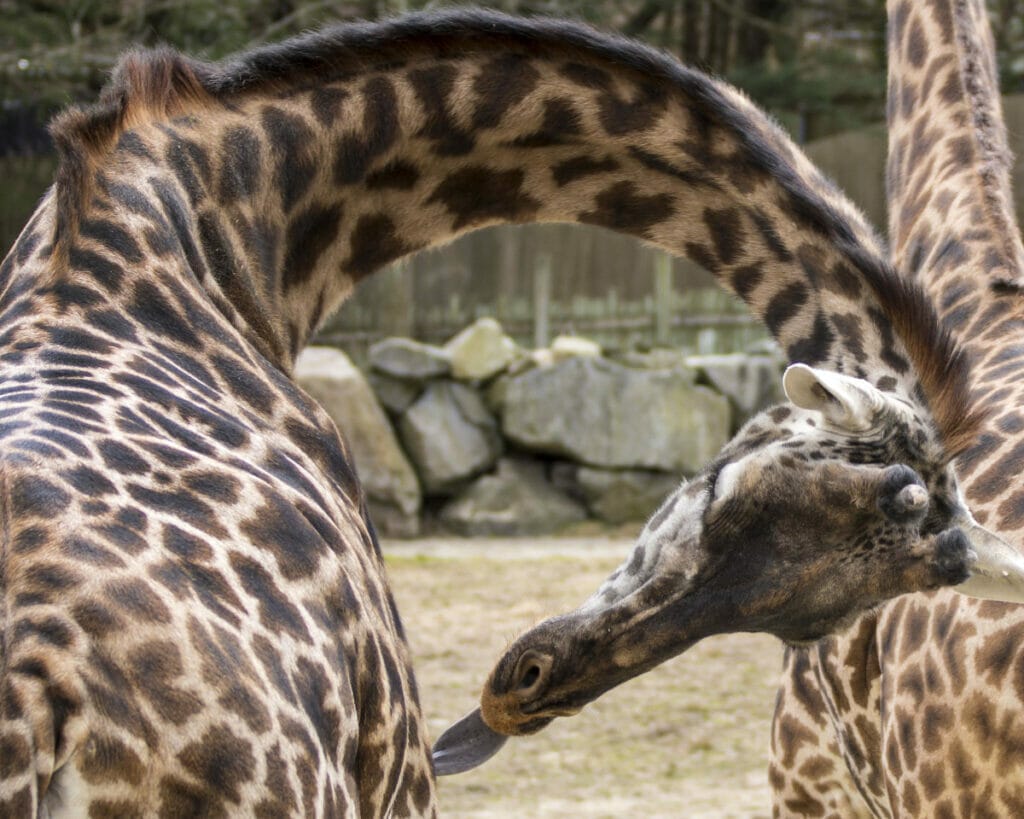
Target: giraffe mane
161	83
145	85
994	159
942	365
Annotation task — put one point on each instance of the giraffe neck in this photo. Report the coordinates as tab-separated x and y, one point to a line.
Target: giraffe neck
951	217
952	221
283	178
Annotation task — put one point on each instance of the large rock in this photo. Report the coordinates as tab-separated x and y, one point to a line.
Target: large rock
660	358
406	358
750	382
390	483
621	495
516	500
480	351
450	436
603	414
564	347
395	394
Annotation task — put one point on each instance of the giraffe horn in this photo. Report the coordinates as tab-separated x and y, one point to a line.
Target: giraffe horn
465	745
997	572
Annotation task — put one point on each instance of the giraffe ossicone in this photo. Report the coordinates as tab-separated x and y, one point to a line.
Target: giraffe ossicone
802	523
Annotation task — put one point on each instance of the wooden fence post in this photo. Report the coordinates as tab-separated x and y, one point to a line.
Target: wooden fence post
663	300
542	301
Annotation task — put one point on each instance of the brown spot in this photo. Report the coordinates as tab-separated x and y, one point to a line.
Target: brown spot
326	103
374	242
277	613
620	116
181	798
289	137
105	808
978	717
240	172
185	545
561	126
784	305
791	735
917	44
996	654
580	167
961	152
397	175
932	780
848	326
803	803
915	629
15	756
477	195
433	86
278	781
138	600
815	768
95	619
310	233
620	207
220	760
726	232
106	759
154	666
911	800
355	153
19	804
501	84
965	774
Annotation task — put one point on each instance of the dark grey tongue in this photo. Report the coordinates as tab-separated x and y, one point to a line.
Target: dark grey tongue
466	744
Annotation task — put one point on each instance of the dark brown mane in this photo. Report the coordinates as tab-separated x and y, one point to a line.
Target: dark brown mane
994	160
941	365
144	85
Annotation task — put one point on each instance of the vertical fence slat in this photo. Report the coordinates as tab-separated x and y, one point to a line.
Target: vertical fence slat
662	300
542	301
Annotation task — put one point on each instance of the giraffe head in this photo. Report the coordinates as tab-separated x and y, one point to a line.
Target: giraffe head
816	512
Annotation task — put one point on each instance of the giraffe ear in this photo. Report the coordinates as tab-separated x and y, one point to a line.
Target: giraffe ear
848	403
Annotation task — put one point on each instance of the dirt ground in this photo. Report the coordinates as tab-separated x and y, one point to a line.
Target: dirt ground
688	739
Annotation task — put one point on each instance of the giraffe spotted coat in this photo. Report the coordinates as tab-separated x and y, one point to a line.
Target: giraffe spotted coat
196	619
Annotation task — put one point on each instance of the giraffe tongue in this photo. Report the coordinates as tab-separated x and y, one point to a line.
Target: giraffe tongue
998	569
465	745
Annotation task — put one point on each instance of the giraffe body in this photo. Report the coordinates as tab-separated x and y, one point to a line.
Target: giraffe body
917	711
196	617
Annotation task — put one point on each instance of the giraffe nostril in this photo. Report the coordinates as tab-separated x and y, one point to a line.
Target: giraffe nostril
530	676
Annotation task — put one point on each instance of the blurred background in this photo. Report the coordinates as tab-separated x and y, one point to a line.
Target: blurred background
817	65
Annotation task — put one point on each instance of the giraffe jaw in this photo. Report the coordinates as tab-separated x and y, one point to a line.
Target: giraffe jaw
997	571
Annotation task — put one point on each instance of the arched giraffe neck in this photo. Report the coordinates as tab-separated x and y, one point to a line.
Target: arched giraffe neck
294	171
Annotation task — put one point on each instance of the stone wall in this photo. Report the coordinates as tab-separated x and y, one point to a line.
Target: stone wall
482	437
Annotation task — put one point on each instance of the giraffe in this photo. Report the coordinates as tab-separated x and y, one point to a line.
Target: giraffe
196	617
919	711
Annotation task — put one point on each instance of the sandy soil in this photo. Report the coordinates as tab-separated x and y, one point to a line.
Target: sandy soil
688	739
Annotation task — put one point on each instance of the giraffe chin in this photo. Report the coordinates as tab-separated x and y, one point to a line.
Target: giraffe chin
997	570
